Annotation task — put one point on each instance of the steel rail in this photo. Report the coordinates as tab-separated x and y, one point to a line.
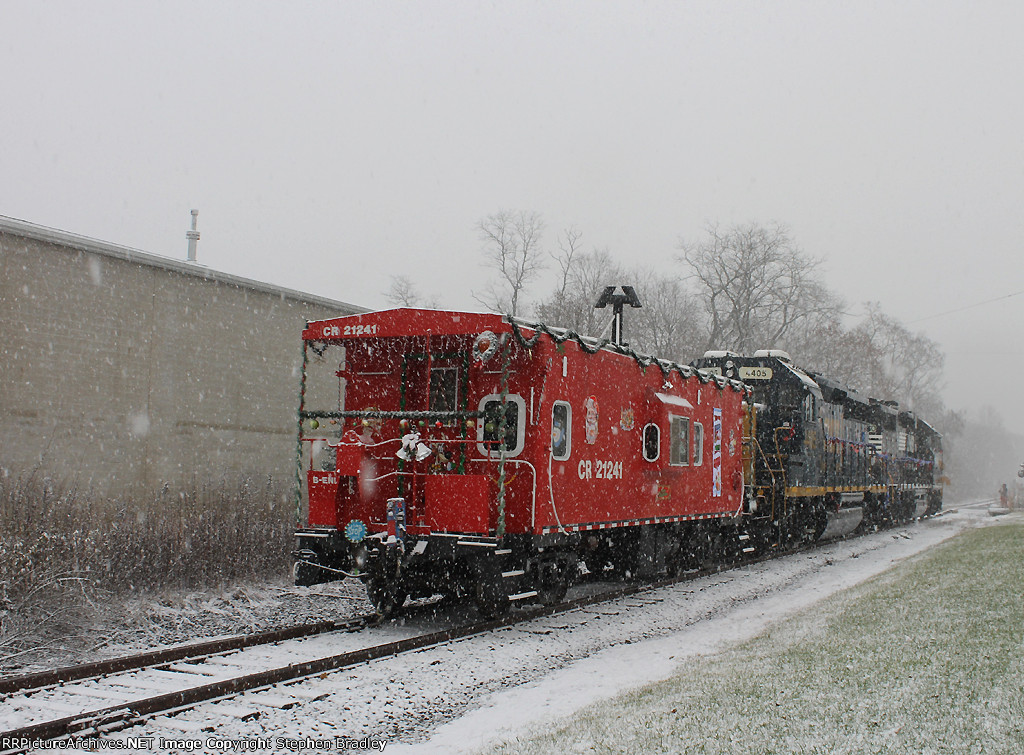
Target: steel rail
105	720
53	677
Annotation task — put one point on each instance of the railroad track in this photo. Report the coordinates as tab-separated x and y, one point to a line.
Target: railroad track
104	697
81	672
101	698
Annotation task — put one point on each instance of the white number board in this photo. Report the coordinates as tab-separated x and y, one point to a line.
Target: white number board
755	373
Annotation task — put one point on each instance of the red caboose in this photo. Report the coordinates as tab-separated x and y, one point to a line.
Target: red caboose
463	453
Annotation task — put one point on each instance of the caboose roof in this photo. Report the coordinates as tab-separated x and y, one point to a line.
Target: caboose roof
404	321
412	322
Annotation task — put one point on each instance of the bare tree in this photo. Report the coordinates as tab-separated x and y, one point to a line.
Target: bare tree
821	342
830	349
512	247
670	324
403	293
904	366
569	245
572	304
880	358
756	285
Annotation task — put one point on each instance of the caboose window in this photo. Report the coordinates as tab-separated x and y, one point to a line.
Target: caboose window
561	431
698	444
444	389
652	442
489	441
679	443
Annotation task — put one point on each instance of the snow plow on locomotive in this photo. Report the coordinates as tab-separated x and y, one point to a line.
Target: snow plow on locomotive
479	456
470	454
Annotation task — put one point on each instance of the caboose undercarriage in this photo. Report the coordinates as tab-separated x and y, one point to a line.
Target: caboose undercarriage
494	573
497	573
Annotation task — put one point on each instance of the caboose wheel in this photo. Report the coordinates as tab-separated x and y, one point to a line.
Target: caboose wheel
553	580
385	586
595	564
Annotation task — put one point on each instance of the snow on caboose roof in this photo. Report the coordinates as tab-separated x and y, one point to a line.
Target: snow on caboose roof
411	321
666	398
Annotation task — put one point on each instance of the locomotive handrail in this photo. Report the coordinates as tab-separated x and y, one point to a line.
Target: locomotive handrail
771	471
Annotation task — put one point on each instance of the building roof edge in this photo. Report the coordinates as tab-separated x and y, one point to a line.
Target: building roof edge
95	246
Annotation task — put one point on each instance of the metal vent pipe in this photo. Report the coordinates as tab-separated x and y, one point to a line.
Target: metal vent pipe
193	237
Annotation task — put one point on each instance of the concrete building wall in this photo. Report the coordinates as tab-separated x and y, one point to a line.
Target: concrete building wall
126	373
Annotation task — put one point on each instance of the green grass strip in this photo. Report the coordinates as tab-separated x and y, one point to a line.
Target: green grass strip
926	658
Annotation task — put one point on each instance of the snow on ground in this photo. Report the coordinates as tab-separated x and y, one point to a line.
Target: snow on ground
107	627
467	694
506	713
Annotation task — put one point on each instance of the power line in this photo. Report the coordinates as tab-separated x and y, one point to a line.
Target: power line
969	306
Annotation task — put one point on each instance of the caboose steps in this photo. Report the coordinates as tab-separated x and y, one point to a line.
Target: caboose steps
524	595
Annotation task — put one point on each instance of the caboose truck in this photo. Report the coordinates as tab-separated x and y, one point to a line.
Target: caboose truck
472	454
827	461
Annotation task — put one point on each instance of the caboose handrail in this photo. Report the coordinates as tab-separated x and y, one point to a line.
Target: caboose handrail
533	492
353	443
375	414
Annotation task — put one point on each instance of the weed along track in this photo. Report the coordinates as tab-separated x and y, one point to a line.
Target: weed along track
102	698
99	698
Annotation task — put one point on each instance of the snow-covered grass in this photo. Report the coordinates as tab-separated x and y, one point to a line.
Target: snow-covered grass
119	625
926	658
66	554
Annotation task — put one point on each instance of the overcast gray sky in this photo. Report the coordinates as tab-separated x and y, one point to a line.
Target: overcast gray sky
329	146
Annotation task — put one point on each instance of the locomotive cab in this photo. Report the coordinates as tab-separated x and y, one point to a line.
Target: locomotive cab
795	475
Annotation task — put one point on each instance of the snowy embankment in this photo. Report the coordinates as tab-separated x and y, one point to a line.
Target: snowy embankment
927	658
720	613
109	626
469	694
